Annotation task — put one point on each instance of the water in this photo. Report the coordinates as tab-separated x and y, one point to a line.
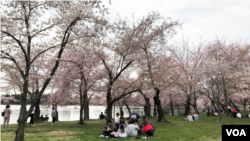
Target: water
67	113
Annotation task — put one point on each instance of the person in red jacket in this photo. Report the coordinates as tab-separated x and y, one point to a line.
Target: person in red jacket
148	129
234	112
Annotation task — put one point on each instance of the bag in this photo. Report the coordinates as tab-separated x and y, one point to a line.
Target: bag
53	114
193	118
3	113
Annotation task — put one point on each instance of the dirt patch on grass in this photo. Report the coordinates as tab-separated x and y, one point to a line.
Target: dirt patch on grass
60	132
32	131
64	138
210	139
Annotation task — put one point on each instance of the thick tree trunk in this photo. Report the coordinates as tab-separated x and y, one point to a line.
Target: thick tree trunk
172	108
85	99
161	113
20	129
155	107
147	107
81	110
37	112
109	113
109	105
22	116
121	111
187	107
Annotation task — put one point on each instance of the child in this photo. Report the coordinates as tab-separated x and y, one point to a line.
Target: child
117	120
115	133
189	118
108	128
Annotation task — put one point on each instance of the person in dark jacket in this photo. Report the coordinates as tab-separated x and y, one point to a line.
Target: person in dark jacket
108	128
102	116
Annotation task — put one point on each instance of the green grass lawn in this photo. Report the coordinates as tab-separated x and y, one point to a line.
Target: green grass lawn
208	129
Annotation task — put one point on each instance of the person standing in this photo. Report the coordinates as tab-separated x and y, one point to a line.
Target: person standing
53	114
7	113
32	116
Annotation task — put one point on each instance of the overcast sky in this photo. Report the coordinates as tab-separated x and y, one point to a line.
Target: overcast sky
228	19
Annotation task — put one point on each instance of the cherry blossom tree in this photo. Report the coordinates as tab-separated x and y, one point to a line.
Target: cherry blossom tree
151	34
22	24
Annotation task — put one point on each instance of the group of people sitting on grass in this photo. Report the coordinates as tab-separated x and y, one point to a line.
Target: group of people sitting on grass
192	118
123	129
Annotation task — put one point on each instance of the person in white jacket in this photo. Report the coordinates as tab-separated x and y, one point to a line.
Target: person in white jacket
133	129
123	131
196	117
189	118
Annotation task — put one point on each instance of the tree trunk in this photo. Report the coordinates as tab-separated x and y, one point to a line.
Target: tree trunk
88	110
155	107
195	108
121	111
161	113
172	108
109	105
187	107
22	116
208	110
225	97
147	107
109	113
37	111
219	114
57	116
179	113
128	108
20	129
233	104
223	107
215	108
244	108
81	110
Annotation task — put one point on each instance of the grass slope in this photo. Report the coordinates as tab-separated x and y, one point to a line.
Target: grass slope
208	129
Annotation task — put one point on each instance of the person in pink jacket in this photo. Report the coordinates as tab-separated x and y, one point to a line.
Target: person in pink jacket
53	114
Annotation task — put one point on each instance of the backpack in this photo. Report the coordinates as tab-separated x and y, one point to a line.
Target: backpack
193	118
3	113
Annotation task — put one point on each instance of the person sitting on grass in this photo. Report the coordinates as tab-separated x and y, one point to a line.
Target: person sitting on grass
189	118
133	129
115	133
123	131
108	128
123	122
208	114
196	117
101	116
133	117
